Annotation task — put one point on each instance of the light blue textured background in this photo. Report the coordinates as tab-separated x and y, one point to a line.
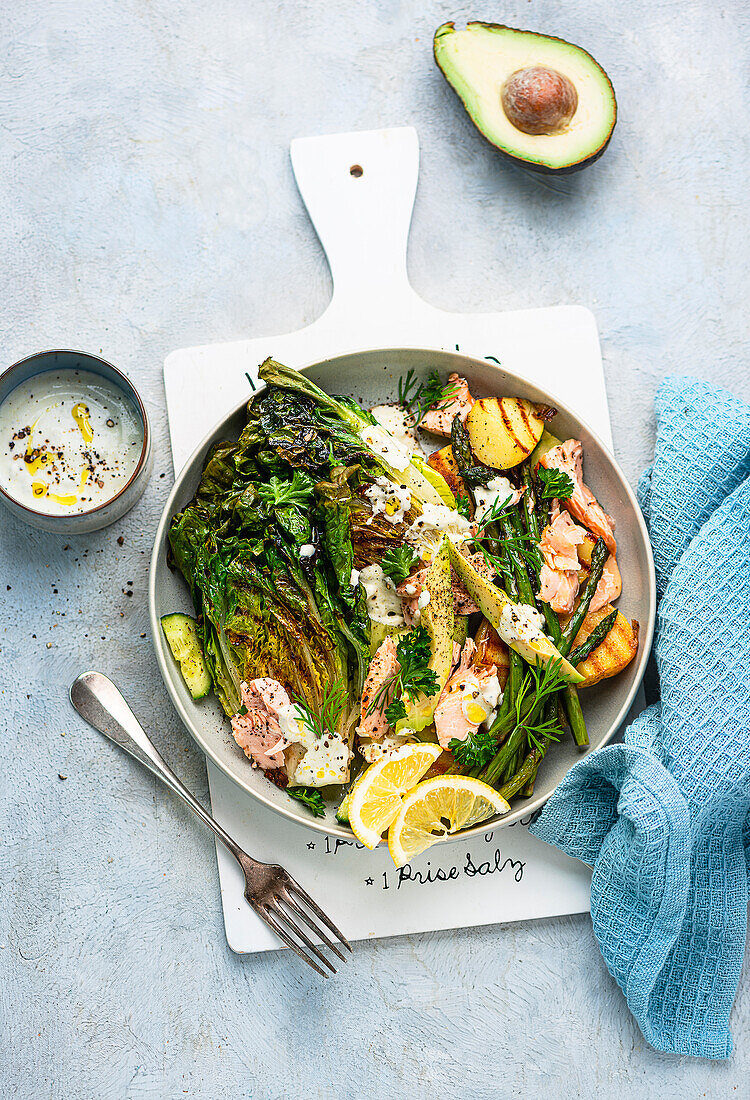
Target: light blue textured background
147	203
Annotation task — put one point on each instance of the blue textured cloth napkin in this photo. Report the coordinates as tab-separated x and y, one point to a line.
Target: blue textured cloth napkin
663	819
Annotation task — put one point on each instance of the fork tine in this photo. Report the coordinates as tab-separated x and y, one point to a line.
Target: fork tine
318	911
281	932
300	933
294	904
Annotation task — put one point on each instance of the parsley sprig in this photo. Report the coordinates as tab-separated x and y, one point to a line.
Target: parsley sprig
476	751
414	677
279	493
418	397
398	562
554	484
311	797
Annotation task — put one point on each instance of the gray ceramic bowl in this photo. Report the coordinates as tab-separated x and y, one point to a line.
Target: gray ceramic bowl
93	519
372	377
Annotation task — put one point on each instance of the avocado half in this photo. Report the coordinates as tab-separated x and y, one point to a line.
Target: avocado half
541	101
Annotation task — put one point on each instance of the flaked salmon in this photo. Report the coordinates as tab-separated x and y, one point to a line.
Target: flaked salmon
609	587
383	666
439	419
583	505
467	700
558	577
257	732
558	588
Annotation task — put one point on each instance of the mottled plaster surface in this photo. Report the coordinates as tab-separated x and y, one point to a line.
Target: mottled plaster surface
147	203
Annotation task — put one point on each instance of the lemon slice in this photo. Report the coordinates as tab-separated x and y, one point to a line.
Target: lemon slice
437	808
375	798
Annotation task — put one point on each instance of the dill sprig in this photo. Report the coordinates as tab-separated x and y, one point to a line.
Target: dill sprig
419	397
540	682
324	720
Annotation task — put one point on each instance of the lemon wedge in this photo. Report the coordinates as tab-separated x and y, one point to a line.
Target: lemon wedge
375	799
438	807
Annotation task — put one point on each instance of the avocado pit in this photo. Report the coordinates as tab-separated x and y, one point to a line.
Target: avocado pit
538	100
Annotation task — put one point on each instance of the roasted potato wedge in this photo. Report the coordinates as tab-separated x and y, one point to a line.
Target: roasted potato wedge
503	432
444	463
616	651
492	650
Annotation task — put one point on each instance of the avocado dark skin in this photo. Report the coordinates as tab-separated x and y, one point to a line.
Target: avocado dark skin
532	100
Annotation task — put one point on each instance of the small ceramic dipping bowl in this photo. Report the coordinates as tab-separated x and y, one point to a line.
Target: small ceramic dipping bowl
75	442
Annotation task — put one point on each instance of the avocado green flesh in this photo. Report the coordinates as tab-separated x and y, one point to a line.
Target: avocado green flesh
477	60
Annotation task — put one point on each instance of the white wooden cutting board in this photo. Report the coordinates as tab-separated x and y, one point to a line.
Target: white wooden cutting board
359	190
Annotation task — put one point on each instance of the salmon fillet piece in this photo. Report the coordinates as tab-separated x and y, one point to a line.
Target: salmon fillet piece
583	505
450	720
439	420
558	577
558	588
609	587
258	732
382	666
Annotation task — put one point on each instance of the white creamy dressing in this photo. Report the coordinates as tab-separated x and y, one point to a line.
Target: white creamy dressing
400	424
388	499
70	440
326	759
479	701
520	623
374	751
307	550
383	601
423	600
494	493
389	449
427	530
354	578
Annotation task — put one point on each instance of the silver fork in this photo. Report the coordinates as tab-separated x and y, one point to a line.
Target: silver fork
269	889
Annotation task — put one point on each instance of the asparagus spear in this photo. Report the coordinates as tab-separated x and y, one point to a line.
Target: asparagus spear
595	639
599	555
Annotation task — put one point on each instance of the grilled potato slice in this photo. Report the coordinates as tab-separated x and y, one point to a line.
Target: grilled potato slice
492	650
445	464
503	432
616	651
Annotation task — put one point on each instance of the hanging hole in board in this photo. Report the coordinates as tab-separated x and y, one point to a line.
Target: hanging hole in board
356	170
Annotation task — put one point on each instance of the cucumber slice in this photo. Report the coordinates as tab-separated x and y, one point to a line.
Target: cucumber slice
181	632
342	813
491	600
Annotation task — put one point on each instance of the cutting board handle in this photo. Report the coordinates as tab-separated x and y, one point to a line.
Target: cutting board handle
359	191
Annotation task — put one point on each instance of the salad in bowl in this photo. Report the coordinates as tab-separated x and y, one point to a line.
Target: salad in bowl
399	608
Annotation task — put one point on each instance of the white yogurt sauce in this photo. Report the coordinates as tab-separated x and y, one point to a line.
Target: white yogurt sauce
399	423
435	521
69	441
389	449
383	601
391	500
326	759
520	623
494	493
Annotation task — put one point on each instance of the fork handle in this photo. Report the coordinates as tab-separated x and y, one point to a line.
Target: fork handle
97	700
